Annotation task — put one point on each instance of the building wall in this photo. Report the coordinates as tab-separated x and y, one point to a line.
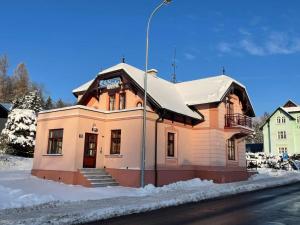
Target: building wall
292	142
2	123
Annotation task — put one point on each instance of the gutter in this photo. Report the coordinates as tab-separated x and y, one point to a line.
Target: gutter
158	120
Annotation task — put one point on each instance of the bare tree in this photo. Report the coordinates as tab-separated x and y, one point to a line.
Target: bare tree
4	79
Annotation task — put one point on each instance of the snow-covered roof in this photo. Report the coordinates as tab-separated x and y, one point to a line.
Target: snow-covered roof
292	109
162	91
83	87
206	90
176	97
6	106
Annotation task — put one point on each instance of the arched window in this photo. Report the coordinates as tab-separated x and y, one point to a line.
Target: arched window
139	104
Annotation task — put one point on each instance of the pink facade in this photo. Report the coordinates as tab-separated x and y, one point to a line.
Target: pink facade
188	145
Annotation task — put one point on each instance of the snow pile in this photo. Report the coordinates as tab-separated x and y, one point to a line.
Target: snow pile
9	162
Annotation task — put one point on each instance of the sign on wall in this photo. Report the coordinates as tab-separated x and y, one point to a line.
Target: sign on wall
110	83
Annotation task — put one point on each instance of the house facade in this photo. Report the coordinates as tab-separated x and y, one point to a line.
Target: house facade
282	130
194	129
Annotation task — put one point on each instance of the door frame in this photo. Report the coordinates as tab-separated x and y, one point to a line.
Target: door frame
84	149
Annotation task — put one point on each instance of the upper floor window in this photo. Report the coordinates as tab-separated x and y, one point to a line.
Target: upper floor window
55	141
298	119
281	134
112	102
122	101
115	145
171	145
231	149
229	108
283	119
278	119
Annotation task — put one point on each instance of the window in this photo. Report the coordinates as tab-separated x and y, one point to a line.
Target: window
282	150
112	101
298	119
283	119
278	119
55	141
171	144
231	149
115	145
122	101
229	108
281	135
139	104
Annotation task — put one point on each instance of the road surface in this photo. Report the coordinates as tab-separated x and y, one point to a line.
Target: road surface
275	206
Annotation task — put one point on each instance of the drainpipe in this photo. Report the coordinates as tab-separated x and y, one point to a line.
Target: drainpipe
269	136
158	120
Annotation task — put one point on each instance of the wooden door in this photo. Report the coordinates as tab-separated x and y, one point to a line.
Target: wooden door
90	150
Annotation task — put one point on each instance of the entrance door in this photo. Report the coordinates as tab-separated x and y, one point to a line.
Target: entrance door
90	150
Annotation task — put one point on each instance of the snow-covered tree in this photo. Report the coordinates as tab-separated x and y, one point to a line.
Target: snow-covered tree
19	132
32	101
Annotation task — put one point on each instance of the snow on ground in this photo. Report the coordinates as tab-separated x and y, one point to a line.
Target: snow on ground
25	199
9	162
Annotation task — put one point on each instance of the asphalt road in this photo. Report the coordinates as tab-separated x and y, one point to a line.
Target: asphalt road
271	206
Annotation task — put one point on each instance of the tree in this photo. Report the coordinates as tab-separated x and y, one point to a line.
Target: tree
19	132
258	136
4	78
21	80
49	103
60	104
30	101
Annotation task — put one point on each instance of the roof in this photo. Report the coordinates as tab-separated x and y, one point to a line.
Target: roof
176	97
83	87
6	106
290	103
160	90
206	90
292	109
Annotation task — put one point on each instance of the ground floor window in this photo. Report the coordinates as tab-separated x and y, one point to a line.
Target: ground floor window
282	150
55	141
171	144
115	145
231	149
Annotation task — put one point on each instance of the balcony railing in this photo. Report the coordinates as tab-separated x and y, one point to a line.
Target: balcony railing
235	120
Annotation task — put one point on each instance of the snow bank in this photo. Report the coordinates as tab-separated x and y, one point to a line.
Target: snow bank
12	163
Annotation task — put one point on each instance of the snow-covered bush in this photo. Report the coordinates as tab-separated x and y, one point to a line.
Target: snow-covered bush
19	131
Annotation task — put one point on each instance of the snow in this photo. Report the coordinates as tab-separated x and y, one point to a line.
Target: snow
25	199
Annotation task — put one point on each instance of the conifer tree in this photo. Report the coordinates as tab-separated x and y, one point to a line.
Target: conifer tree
49	103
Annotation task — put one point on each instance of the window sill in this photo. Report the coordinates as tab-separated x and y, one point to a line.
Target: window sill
53	155
171	158
114	156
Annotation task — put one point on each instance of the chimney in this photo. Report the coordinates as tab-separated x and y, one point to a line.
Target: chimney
152	72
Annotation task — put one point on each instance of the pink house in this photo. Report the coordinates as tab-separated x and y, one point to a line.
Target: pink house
194	129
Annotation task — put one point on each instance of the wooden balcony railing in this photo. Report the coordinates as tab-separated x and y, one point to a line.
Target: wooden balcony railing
234	120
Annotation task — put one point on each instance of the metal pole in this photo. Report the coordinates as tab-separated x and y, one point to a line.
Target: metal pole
144	139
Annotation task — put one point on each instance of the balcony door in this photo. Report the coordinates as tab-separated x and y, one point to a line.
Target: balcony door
229	108
90	150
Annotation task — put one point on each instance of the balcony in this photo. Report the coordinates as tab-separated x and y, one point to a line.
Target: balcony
238	120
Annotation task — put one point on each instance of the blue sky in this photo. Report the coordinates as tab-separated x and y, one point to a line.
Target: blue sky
66	42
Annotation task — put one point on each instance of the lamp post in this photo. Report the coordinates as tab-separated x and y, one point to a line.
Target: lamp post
144	139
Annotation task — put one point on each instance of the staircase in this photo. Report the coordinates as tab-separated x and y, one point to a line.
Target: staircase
98	177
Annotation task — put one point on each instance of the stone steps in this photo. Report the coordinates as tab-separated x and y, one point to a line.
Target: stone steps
98	177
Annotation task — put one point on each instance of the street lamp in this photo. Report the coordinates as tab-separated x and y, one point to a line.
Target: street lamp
165	2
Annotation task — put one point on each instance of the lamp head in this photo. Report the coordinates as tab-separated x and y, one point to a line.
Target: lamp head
167	2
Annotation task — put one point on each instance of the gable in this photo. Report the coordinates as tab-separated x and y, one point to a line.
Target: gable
289	104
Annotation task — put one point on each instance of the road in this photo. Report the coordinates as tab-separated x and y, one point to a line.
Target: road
271	206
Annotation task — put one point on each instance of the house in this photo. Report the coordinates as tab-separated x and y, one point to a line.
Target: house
4	110
194	129
282	130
